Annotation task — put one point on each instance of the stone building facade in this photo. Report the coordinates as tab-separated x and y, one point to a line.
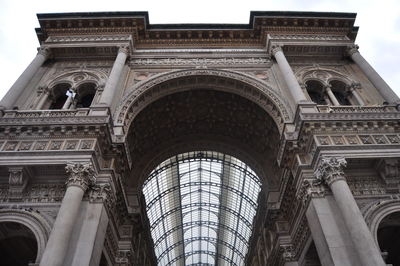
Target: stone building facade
286	141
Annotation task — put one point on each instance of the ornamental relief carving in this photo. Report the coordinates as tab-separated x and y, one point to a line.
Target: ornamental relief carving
48	145
167	83
88	38
310	188
193	62
323	74
357	139
36	193
80	174
76	77
330	169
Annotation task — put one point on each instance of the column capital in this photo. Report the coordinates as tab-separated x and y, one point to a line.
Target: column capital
354	86
45	51
275	49
351	49
303	86
43	89
80	174
310	188
124	49
330	169
101	193
326	88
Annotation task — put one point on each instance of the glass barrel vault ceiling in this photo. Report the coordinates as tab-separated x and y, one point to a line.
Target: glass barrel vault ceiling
201	207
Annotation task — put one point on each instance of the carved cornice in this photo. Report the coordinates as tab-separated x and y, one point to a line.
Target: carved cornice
147	35
81	175
330	169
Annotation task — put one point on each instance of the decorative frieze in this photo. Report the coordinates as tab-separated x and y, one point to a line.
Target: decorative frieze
367	187
308	37
48	145
80	174
357	139
214	62
88	38
36	193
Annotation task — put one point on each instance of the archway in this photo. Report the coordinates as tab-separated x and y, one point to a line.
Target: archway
202	118
158	86
389	238
18	245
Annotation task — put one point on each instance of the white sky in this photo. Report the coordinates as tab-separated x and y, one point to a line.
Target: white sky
378	37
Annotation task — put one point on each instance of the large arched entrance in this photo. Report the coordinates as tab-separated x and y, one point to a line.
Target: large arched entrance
199	128
389	238
18	244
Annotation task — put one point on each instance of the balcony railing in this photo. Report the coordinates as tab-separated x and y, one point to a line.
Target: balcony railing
357	109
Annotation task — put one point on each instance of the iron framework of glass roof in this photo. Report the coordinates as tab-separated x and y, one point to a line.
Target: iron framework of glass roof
201	207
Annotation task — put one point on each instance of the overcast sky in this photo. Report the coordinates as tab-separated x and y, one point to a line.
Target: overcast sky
378	37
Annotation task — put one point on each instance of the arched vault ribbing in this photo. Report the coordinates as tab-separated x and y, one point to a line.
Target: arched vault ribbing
143	93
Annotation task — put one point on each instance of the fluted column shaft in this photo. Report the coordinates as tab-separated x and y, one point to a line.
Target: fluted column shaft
112	82
386	92
20	84
330	171
288	75
81	176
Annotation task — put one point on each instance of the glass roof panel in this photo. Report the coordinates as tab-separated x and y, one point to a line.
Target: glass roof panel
201	206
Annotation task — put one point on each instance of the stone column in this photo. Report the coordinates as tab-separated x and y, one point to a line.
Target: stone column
90	228
386	92
353	89
44	96
17	89
288	75
112	82
330	171
330	235
69	100
331	96
80	177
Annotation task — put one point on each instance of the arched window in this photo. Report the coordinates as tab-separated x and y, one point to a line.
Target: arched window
85	95
315	90
339	90
59	95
